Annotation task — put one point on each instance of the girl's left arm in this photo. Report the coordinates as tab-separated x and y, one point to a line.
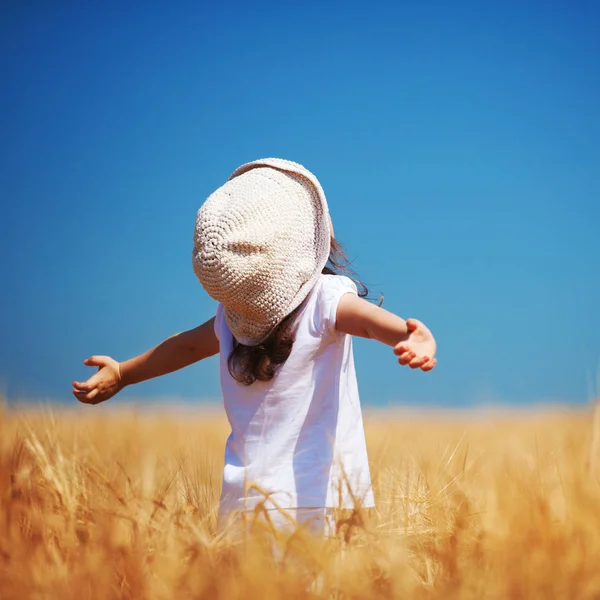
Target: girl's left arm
413	343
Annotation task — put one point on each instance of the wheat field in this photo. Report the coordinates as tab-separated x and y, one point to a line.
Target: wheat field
100	503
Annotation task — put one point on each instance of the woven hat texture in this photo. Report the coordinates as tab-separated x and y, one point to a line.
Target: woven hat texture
260	243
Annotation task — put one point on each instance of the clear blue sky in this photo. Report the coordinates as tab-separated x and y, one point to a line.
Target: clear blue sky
458	144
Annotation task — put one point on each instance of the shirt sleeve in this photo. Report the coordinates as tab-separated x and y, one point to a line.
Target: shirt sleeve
333	287
218	319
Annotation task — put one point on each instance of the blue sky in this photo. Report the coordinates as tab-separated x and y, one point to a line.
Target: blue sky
458	144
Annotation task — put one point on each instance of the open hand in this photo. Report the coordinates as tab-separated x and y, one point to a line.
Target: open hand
103	385
418	350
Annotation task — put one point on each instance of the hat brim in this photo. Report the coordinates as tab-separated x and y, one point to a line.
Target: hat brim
240	325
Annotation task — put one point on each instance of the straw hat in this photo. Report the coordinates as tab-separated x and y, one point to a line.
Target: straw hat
260	243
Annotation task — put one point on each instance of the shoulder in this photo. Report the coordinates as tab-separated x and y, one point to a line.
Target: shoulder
332	285
325	297
220	322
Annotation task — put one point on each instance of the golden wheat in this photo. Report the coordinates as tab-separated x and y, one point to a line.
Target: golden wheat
98	503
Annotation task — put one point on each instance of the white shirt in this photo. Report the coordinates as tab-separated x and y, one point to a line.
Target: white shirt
300	436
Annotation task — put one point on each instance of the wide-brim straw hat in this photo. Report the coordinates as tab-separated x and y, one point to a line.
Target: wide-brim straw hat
260	244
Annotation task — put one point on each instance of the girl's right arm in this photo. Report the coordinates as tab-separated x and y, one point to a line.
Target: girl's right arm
174	353
413	343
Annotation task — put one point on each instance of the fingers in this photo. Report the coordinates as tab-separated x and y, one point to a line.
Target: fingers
401	348
411	324
92	361
412	360
93	390
416	362
429	365
88	385
91	395
406	356
82	386
96	361
79	395
86	397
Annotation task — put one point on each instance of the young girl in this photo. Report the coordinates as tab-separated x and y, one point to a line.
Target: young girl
264	249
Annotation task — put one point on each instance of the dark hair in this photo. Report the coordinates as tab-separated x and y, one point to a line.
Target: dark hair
248	363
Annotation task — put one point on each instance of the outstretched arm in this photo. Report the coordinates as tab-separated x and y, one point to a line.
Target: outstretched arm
413	343
174	353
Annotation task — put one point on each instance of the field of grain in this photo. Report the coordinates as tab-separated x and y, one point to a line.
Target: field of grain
98	503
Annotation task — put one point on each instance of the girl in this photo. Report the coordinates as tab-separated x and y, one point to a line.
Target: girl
264	250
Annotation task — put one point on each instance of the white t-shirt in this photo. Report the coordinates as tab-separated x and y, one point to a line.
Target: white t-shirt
300	436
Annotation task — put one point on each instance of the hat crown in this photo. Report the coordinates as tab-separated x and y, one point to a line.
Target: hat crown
260	242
